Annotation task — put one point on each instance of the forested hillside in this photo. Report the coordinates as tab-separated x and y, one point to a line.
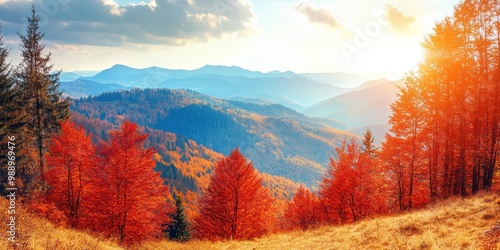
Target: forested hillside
272	136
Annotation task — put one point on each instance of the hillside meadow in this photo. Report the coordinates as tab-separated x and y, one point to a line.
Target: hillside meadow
453	224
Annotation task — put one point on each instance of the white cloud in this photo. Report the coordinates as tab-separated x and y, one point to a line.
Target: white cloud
316	15
212	20
115	9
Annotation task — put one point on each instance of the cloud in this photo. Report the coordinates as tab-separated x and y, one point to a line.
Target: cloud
104	22
399	21
115	9
320	16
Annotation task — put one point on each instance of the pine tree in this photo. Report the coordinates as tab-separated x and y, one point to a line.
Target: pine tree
7	92
42	102
11	114
9	108
368	147
179	229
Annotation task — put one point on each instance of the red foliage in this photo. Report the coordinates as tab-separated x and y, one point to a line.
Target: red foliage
129	199
304	211
70	158
352	188
235	204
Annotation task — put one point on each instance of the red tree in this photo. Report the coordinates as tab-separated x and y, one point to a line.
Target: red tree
352	188
303	211
70	158
129	198
235	204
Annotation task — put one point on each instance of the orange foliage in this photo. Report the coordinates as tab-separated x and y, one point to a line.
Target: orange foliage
114	190
304	211
282	189
70	159
445	134
129	200
402	151
235	204
192	159
352	188
49	211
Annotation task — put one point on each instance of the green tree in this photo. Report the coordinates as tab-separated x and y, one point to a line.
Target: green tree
10	110
7	92
42	101
178	229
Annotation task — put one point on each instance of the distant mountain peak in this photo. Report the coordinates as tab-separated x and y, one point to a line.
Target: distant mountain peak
277	72
120	66
220	68
210	66
373	83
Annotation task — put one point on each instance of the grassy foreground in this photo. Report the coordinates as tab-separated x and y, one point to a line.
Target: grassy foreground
452	224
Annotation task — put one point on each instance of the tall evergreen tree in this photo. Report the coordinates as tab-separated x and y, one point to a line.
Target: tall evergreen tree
7	92
178	229
42	101
10	121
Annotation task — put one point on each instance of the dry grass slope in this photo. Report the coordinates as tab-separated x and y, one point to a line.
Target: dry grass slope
37	233
453	224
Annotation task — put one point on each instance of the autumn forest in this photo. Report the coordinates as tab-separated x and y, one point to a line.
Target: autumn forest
173	164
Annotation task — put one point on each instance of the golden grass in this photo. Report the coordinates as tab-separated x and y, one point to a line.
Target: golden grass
33	232
453	224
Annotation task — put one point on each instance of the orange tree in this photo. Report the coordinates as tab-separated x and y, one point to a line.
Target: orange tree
235	204
129	198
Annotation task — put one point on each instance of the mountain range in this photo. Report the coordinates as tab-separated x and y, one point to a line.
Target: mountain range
364	104
365	107
296	91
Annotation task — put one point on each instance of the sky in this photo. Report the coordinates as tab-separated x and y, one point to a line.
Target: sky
304	36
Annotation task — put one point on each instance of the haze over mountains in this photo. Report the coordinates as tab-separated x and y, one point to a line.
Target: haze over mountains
286	88
344	101
367	106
